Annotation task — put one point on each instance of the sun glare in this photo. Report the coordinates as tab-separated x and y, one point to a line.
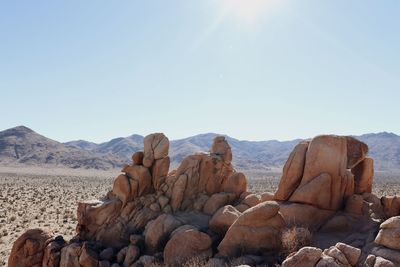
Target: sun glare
247	10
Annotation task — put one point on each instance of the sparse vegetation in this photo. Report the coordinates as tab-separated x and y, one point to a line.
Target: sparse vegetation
294	239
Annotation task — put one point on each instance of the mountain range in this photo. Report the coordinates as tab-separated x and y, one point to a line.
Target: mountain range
21	145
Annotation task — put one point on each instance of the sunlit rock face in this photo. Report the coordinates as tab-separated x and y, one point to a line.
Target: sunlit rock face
202	211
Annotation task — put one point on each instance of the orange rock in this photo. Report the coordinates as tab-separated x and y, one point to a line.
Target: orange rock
257	230
224	218
28	249
217	201
137	158
391	206
235	183
221	148
363	176
70	255
122	188
356	151
159	170
186	243
156	146
157	232
292	172
143	177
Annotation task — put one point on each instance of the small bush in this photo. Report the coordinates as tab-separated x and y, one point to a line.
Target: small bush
294	239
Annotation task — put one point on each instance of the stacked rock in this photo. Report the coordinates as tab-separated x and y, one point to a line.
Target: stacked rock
202	210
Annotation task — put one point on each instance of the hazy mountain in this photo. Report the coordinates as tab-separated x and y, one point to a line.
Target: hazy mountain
384	148
21	145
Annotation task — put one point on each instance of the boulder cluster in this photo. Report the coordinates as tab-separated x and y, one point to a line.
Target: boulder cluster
201	214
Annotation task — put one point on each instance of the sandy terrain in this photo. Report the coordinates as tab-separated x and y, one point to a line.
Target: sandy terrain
48	198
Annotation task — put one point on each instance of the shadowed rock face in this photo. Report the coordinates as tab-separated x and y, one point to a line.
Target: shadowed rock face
203	210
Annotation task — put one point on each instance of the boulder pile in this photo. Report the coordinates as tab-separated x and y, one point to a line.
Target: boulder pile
201	214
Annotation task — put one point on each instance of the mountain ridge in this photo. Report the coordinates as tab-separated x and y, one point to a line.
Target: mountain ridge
23	145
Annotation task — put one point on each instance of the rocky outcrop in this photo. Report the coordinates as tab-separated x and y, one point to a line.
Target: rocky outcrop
203	211
29	248
257	230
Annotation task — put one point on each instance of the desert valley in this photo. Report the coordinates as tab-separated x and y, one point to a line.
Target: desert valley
57	187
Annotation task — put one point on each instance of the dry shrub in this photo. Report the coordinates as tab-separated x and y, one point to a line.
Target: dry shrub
194	262
294	239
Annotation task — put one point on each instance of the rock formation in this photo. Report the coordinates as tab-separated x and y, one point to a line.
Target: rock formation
202	211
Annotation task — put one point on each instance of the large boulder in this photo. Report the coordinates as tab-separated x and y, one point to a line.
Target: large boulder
257	230
305	257
389	233
328	159
156	146
220	147
187	243
157	232
28	249
224	218
52	252
363	176
292	172
70	255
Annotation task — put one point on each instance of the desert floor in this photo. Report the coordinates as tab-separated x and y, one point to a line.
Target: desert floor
47	198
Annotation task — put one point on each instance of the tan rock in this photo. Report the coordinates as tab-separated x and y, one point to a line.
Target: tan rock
163	201
159	170
88	258
217	201
355	204
28	249
221	148
252	200
363	176
305	257
224	218
326	171
178	192
122	188
338	255
387	253
187	243
235	183
137	158
157	232
267	196
70	255
156	146
142	176
327	261
356	151
292	172
352	254
242	207
381	262
310	193
52	253
132	254
389	233
391	206
304	215
258	229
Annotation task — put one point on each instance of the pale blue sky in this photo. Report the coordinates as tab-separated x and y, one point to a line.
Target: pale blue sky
273	69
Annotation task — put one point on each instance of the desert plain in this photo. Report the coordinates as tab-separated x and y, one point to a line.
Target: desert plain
47	197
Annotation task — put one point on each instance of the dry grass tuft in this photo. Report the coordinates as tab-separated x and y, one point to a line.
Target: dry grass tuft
294	239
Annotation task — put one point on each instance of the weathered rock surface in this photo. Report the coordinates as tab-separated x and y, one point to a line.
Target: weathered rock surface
186	243
305	257
389	233
203	210
29	248
257	230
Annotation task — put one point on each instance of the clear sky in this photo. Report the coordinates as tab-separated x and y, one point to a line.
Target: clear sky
252	69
